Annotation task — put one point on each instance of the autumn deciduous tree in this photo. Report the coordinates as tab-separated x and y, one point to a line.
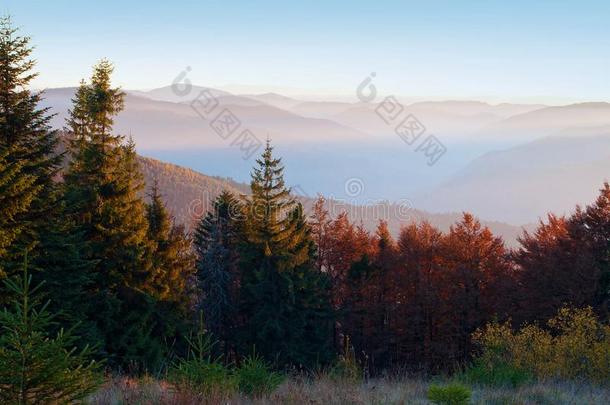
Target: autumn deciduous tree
565	262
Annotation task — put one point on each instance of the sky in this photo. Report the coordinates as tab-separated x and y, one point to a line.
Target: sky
499	51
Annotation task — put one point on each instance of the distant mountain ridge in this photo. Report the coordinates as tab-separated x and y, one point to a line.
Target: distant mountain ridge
521	184
189	194
494	165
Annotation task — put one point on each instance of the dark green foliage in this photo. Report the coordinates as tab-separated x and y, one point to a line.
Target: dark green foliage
28	161
200	371
172	259
255	378
215	240
36	368
203	377
66	276
501	374
136	333
102	186
32	217
284	299
452	394
16	194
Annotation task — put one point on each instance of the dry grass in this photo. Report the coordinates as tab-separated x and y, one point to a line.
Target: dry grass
325	391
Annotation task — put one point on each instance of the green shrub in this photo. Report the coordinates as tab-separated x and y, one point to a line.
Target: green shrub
200	372
452	394
496	374
203	377
255	378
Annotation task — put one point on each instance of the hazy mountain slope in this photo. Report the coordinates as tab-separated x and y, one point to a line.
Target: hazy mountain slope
323	154
188	194
321	109
547	121
473	108
274	99
167	125
452	119
520	184
167	93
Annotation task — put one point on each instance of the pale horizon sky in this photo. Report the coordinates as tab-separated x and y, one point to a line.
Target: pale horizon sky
553	52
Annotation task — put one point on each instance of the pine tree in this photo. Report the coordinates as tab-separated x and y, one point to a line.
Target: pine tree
36	367
173	263
31	206
283	298
215	241
27	146
102	186
171	281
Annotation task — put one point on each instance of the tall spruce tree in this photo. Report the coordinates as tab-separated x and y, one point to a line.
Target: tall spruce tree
31	212
215	240
283	298
102	186
27	149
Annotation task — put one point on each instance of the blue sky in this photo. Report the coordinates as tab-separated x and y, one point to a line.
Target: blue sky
552	51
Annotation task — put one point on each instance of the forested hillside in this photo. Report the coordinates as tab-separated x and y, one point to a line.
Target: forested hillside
263	288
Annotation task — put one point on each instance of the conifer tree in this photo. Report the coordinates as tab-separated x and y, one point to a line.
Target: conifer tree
283	298
173	263
102	186
66	277
32	216
172	275
27	146
215	241
16	194
36	367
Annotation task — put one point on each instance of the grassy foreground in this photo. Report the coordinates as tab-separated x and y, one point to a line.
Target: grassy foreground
324	390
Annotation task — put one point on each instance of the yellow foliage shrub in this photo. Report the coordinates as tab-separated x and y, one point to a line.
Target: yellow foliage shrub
574	345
